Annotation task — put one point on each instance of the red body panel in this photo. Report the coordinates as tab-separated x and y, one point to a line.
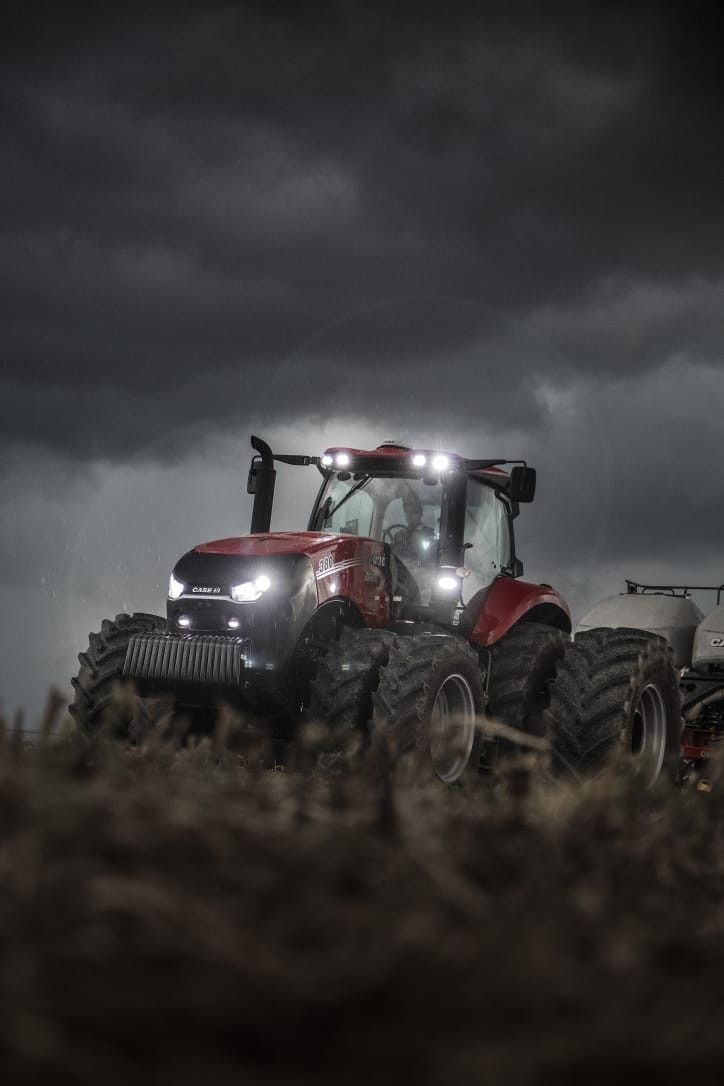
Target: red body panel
345	567
495	472
505	602
350	567
698	744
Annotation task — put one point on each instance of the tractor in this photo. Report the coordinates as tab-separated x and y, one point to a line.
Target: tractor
402	606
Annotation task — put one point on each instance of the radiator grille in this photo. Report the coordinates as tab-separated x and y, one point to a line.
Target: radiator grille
195	658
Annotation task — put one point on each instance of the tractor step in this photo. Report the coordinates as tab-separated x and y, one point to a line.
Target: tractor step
200	658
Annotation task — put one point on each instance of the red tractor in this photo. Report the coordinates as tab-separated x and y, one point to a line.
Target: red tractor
402	606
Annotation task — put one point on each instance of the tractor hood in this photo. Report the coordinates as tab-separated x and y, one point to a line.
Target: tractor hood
262	544
297	572
267	599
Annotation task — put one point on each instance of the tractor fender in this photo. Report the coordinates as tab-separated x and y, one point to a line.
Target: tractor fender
675	618
330	617
506	601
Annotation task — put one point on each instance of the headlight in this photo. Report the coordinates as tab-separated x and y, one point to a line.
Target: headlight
447	583
175	588
250	590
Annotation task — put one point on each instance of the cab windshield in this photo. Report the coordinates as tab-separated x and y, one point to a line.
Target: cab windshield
405	513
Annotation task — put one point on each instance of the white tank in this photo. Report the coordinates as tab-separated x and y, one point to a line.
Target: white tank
675	618
709	641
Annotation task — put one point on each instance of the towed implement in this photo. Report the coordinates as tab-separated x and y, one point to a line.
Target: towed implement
693	642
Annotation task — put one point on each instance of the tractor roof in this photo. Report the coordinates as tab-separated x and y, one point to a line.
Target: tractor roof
390	457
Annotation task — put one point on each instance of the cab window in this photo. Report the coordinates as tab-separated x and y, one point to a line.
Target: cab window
487	529
354	516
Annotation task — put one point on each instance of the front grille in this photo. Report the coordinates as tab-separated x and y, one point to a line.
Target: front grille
196	658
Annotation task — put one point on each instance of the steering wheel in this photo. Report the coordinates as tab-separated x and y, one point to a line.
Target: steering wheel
390	530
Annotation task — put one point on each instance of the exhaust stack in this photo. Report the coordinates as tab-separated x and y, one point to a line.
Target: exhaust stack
262	477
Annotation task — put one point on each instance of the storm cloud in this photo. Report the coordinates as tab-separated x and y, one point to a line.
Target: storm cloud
494	227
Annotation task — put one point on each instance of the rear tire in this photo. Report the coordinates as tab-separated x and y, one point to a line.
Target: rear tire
430	701
101	666
616	693
347	675
522	666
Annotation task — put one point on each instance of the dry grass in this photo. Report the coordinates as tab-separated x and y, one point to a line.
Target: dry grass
186	914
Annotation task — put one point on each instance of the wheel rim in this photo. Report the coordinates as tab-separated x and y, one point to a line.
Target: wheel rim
452	728
648	731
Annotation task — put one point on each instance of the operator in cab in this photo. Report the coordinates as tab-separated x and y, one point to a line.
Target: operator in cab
416	542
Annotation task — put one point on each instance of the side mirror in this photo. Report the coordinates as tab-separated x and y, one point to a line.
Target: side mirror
514	568
522	484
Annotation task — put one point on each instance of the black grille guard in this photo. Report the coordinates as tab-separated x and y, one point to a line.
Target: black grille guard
195	658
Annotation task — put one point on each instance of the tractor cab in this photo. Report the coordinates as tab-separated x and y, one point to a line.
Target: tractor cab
415	514
446	521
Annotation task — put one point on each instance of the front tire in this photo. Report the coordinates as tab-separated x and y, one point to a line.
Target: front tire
340	695
430	701
101	668
616	693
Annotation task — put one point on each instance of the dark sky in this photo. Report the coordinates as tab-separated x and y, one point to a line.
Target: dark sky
495	227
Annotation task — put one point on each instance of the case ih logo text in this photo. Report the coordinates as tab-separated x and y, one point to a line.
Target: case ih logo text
717	642
207	590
